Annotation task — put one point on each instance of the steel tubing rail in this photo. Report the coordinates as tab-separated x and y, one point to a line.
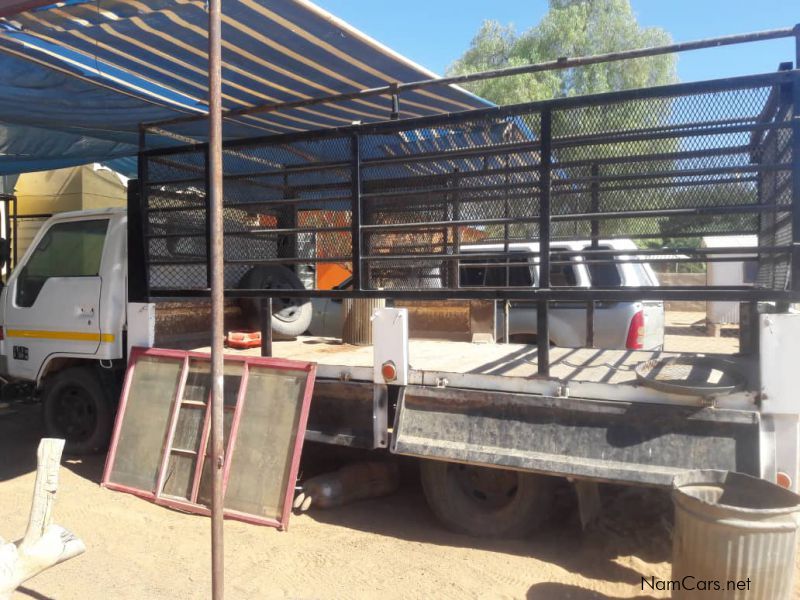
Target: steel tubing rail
558	64
743	294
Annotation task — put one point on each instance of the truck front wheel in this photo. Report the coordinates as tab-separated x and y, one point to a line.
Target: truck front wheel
486	502
77	408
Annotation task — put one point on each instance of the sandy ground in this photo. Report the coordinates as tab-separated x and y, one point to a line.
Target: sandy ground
686	332
390	547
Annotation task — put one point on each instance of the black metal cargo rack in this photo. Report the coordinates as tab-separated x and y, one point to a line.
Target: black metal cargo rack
474	205
709	158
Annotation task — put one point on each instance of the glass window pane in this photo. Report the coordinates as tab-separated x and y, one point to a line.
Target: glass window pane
198	381
562	275
261	460
179	476
604	275
71	249
204	490
189	428
144	426
232	380
481	272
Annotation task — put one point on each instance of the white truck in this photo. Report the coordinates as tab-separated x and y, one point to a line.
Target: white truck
67	327
401	201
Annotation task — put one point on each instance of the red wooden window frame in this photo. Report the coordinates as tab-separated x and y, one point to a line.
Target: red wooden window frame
192	505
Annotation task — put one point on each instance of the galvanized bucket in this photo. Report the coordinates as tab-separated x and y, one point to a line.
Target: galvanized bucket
735	537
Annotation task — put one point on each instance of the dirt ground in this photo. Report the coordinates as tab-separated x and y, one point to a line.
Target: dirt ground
390	547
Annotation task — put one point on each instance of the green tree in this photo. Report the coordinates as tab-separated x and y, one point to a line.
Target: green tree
570	28
573	28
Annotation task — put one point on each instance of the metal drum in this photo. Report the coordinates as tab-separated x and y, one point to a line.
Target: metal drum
735	537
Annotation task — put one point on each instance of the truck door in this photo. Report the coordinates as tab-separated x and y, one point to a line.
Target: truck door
53	300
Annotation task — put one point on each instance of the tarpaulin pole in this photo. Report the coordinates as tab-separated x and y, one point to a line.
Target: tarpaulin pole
217	288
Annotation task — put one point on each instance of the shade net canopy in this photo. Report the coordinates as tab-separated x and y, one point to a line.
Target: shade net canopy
81	77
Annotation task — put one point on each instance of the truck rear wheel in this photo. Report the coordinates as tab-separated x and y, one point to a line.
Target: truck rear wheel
486	502
77	408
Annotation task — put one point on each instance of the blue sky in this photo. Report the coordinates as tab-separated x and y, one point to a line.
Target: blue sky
435	32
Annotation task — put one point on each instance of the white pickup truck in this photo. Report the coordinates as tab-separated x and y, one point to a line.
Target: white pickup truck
617	325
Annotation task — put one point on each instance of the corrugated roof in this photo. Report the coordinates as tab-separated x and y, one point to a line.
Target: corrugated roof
84	75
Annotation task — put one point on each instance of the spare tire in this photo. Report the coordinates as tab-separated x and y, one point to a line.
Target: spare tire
290	316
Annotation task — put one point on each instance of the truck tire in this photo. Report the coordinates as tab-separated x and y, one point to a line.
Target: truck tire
486	502
290	316
76	407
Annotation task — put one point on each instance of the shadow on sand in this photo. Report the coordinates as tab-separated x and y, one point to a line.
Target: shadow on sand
634	523
563	591
20	432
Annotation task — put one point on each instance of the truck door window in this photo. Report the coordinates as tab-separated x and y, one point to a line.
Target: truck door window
71	249
603	275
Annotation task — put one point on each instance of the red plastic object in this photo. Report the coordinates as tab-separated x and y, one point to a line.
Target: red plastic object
242	340
635	339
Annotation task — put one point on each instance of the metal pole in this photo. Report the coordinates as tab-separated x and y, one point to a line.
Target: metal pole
217	289
355	211
506	320
14	232
552	65
595	235
266	327
795	257
542	306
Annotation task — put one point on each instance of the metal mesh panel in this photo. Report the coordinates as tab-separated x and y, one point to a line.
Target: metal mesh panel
431	191
443	201
776	191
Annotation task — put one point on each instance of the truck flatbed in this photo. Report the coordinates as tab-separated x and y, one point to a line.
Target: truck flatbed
589	372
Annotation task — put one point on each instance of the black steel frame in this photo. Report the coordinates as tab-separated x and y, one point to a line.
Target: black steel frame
544	148
357	191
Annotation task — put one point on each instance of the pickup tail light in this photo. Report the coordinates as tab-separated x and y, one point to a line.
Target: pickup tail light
635	339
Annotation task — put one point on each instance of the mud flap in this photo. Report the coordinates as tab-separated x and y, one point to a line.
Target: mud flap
611	441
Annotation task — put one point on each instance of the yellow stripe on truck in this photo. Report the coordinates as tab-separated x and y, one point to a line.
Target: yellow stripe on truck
72	336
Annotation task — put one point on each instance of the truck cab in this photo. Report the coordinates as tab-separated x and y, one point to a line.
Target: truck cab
63	317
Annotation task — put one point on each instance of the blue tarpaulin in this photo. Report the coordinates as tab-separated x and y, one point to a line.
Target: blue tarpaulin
80	77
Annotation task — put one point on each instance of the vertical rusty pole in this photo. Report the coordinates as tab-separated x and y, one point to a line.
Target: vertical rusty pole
217	288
